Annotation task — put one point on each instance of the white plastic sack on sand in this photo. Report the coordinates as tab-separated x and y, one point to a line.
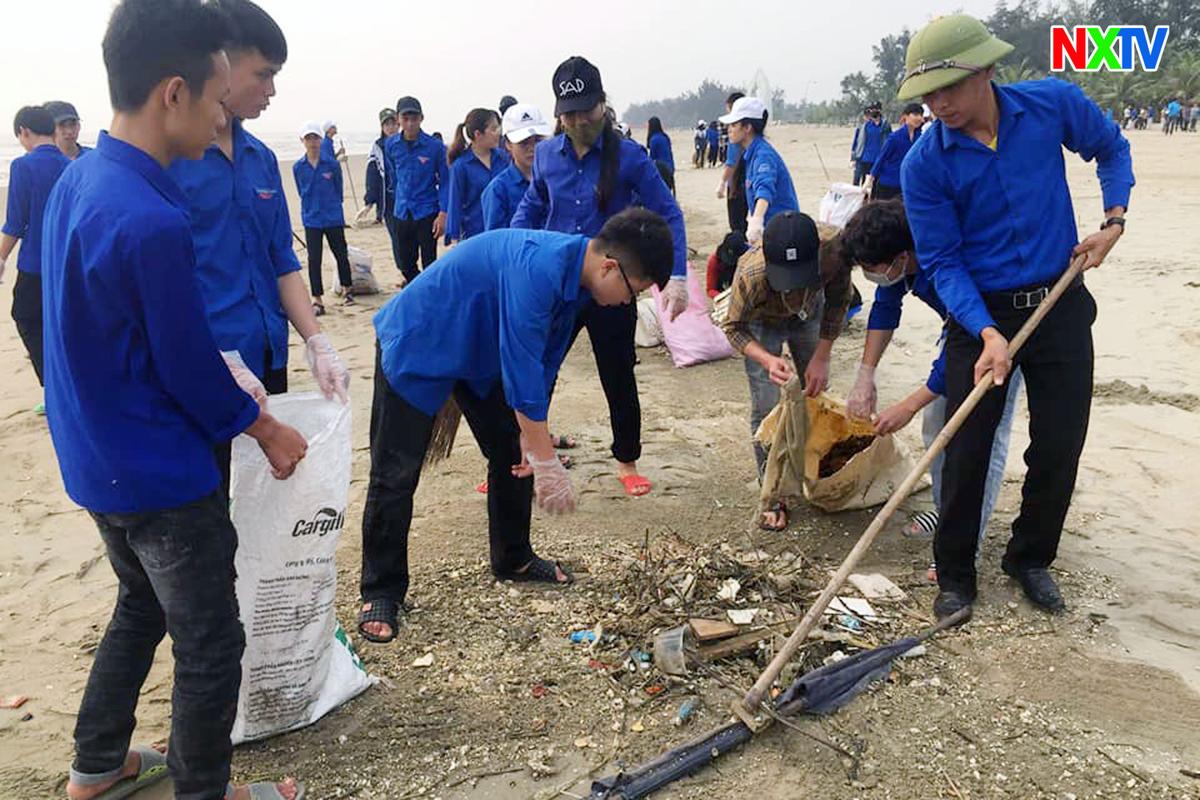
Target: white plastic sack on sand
298	665
649	331
692	338
839	204
362	273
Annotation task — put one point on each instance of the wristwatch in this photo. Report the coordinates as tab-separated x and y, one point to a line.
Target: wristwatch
1114	221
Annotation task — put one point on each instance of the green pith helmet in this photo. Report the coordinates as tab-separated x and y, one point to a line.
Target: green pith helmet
947	50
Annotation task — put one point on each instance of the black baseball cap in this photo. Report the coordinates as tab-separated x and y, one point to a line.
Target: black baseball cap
61	111
576	86
507	102
409	105
791	247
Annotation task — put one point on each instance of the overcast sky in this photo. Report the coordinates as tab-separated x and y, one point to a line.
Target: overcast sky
348	58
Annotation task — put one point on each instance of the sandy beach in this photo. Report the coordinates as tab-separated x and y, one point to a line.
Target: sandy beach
1102	702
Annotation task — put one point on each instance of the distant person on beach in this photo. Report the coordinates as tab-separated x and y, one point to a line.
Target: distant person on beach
66	129
319	185
992	219
422	181
712	138
1174	115
475	159
506	102
380	183
581	178
329	145
868	141
498	356
733	176
523	127
137	396
883	182
658	144
768	184
248	274
699	144
31	177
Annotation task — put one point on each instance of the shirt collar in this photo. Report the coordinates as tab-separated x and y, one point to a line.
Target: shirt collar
753	147
140	162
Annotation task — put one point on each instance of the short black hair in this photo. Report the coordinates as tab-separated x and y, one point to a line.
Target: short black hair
733	98
148	41
251	28
642	241
877	233
36	118
914	108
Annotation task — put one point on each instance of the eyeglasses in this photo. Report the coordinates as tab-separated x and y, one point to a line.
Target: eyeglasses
624	277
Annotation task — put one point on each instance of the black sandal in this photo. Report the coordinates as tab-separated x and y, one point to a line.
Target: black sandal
540	571
383	610
318	309
563	442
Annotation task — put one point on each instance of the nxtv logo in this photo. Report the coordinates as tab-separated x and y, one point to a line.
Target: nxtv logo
1112	48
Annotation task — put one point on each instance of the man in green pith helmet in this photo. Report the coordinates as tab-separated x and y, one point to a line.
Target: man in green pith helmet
986	194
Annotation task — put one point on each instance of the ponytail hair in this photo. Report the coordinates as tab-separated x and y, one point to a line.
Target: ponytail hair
653	126
475	123
610	161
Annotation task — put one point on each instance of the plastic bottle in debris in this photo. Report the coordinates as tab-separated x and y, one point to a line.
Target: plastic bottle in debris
687	710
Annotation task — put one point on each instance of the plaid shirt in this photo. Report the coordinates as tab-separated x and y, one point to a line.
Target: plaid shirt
723	134
753	300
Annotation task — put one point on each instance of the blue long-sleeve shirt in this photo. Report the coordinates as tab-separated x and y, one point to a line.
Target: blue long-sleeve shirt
242	233
992	220
868	140
562	192
515	296
30	179
464	204
732	153
767	178
421	175
327	150
886	169
320	190
137	394
502	196
660	150
885	316
712	136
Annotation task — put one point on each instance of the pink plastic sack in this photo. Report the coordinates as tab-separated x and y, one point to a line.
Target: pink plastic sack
692	338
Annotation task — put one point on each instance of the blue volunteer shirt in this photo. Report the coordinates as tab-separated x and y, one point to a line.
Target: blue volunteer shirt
464	203
767	178
885	316
500	307
562	192
137	394
713	135
243	241
327	150
872	140
660	150
421	175
502	196
733	152
30	179
886	169
320	190
992	220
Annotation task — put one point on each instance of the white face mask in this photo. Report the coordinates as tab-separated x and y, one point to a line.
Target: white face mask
886	278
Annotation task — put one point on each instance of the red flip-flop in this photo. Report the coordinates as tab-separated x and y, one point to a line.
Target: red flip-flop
482	488
635	485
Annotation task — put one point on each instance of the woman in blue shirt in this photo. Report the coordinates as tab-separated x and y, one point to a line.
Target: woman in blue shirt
769	188
475	159
523	127
581	178
659	145
319	184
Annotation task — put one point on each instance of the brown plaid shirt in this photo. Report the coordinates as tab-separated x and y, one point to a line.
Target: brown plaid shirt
753	300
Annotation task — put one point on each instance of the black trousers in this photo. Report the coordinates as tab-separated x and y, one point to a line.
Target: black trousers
415	236
737	209
275	382
337	243
392	225
1057	364
611	330
881	192
27	314
399	438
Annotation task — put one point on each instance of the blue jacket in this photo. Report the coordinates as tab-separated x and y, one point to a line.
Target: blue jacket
30	179
243	239
137	394
320	190
498	308
885	316
562	193
421	174
502	196
660	150
767	178
464	206
987	221
886	169
868	140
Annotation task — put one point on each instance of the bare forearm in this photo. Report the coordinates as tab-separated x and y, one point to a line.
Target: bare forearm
297	305
7	243
877	343
536	436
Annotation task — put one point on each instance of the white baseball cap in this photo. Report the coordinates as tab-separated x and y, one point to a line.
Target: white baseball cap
311	127
522	121
327	125
745	108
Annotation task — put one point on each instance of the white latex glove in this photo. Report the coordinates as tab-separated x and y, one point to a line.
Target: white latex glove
247	380
754	229
675	297
552	485
327	367
721	188
862	399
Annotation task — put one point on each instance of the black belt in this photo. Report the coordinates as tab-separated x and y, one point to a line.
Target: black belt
1026	297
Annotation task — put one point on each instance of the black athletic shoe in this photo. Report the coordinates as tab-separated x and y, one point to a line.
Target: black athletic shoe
950	602
1039	587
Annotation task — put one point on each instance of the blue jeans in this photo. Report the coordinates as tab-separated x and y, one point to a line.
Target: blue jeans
931	424
802	337
176	575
